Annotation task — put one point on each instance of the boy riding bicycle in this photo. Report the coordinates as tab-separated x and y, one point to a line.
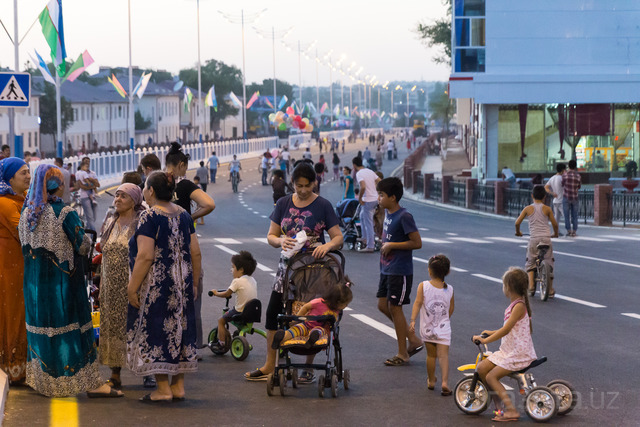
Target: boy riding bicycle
235	167
539	216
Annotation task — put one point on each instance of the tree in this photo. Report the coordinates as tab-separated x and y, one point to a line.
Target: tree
48	113
437	34
266	89
441	106
141	123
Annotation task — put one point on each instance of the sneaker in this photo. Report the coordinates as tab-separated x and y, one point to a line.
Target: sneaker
306	377
365	250
313	337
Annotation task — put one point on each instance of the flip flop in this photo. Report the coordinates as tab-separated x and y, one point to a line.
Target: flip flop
416	350
446	392
114	383
432	387
396	361
147	399
502	418
256	375
112	393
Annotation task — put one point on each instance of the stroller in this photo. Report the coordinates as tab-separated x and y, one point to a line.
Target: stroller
92	284
348	212
307	278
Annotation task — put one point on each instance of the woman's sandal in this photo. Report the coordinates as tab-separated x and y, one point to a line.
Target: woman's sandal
112	393
432	387
446	392
147	399
114	383
256	375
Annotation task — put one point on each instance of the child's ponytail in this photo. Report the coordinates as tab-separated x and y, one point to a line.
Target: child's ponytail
517	281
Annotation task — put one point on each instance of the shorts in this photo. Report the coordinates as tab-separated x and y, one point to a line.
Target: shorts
229	314
532	253
396	288
274	308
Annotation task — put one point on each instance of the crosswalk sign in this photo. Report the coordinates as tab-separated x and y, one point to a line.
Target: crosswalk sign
15	89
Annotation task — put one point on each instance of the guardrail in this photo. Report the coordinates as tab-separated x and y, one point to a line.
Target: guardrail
625	207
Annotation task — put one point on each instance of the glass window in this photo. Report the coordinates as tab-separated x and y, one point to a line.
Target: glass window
470	60
469	7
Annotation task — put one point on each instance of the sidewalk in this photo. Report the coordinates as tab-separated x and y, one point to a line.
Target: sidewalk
452	162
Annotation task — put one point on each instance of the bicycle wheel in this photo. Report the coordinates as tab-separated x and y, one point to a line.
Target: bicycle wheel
544	275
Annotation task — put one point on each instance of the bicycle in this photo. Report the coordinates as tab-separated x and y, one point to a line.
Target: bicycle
75	203
542	274
541	403
234	180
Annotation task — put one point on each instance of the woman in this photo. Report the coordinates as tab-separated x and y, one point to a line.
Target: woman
336	166
303	210
164	257
187	192
115	278
379	158
348	192
61	357
14	183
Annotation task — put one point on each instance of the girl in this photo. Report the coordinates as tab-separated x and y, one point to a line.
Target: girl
334	300
516	348
348	184
435	304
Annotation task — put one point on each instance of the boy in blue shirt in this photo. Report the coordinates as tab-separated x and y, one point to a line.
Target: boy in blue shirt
400	237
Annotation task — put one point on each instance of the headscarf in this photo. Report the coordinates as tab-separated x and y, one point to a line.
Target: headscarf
136	194
8	169
47	177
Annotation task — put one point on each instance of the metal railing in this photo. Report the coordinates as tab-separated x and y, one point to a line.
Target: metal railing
457	193
484	197
514	200
625	207
420	184
585	205
435	189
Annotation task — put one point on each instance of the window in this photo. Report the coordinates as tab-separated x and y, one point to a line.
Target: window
120	111
82	113
469	36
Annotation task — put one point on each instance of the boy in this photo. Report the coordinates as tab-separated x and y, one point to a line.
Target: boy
243	285
235	166
539	214
203	175
400	237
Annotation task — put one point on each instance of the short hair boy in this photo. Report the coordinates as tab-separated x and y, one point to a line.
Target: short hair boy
400	237
243	264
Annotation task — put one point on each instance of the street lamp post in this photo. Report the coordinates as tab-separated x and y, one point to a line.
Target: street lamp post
200	109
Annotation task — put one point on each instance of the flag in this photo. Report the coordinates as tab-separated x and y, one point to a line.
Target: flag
210	100
235	100
323	108
266	101
295	107
283	101
253	99
51	22
116	84
188	96
83	61
312	107
346	111
336	110
142	85
383	113
43	68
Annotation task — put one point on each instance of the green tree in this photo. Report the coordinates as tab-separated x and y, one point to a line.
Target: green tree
437	34
48	113
140	122
266	88
441	106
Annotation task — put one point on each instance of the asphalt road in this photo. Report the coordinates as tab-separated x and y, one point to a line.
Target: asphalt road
589	331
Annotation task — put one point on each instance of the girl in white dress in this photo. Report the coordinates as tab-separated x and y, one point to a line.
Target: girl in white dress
516	348
434	302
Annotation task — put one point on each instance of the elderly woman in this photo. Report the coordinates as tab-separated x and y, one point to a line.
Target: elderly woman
14	183
62	356
115	278
303	210
164	257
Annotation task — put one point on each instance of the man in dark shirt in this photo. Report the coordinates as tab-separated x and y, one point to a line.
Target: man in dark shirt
571	183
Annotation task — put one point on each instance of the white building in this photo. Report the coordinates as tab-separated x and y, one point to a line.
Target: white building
198	116
161	106
546	80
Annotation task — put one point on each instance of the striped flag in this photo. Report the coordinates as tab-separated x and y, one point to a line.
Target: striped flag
142	85
266	101
253	99
43	68
83	61
188	96
323	108
210	100
116	84
346	111
235	100
51	21
336	110
295	107
283	101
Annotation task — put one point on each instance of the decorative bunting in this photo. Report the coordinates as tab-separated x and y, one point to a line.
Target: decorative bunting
116	84
234	99
253	99
81	64
283	101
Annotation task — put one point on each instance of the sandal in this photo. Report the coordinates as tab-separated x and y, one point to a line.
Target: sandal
256	375
416	350
147	399
504	418
446	392
432	387
112	393
114	383
396	361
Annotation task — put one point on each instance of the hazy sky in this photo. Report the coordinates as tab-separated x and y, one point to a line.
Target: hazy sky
375	34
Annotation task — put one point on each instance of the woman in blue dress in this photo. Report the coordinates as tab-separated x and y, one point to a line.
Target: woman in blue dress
164	257
61	358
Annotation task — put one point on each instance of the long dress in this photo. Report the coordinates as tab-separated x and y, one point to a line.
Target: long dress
113	296
62	355
161	334
13	332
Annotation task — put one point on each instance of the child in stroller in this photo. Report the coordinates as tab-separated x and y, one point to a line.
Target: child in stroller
348	211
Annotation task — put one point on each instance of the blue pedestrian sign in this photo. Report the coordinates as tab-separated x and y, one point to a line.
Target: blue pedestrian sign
15	89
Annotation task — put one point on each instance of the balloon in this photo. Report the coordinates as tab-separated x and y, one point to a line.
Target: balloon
278	120
309	128
282	126
272	117
296	124
306	121
279	115
289	120
289	110
274	153
302	125
298	119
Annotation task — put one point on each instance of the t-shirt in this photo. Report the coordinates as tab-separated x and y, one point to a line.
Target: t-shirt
265	163
234	165
508	173
213	162
183	192
319	308
203	174
307	155
369	177
390	145
314	219
245	289
555	182
286	155
397	227
82	176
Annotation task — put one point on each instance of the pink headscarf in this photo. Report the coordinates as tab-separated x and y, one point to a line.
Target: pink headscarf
136	194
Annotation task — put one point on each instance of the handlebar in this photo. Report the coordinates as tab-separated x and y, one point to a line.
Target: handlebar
476	342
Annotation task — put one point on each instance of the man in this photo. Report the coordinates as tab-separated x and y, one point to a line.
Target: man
307	154
390	145
27	157
203	176
286	156
66	195
213	163
554	187
368	198
509	176
571	183
88	183
6	152
264	168
366	156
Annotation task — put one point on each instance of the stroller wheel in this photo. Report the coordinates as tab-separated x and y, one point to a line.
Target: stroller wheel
334	385
283	381
321	385
270	384
346	378
294	378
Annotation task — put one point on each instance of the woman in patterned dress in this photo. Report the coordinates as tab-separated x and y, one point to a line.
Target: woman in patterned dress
164	257
62	356
14	183
115	278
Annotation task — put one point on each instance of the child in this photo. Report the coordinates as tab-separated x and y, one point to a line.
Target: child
332	302
243	285
347	184
539	214
196	181
400	237
435	304
516	347
279	185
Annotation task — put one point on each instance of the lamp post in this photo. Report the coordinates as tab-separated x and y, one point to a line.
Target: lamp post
302	50
200	108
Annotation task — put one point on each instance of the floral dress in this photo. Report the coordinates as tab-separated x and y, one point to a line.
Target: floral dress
161	334
516	348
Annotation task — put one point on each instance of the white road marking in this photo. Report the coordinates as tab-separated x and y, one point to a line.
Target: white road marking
256	212
637	239
227	241
592	239
561	240
261	267
264	216
469	240
261	240
348	309
634	315
423	229
506	239
610	261
376	325
579	301
452	234
436	241
484	276
459	270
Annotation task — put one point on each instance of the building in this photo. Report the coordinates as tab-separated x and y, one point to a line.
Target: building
160	105
195	117
541	82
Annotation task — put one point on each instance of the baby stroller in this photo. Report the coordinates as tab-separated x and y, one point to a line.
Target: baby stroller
307	278
348	212
90	272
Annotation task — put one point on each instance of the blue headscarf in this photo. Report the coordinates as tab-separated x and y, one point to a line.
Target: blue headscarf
8	169
47	177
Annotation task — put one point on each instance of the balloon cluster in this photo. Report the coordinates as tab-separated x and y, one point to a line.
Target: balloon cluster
284	121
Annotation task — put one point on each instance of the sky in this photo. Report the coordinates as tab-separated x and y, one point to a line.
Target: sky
376	35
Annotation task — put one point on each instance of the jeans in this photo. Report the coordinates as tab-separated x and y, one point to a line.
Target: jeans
89	213
558	210
264	176
390	154
213	172
366	222
570	214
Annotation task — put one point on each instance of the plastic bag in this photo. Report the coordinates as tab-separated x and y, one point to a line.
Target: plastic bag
301	239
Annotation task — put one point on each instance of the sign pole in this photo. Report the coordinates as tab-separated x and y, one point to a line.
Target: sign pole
58	117
12	111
